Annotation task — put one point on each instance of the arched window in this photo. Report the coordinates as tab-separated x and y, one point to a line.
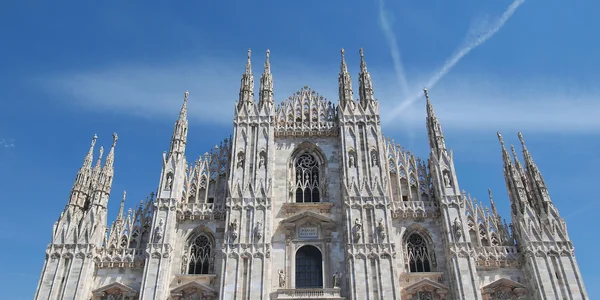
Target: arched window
309	268
418	254
200	257
307	178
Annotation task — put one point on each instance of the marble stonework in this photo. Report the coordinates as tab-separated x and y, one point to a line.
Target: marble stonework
308	200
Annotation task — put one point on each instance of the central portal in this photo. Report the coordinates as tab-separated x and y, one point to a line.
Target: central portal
309	268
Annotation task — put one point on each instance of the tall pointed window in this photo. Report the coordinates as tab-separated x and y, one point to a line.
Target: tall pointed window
418	254
307	178
200	255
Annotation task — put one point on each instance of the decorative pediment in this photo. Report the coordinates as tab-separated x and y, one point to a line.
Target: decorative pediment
504	288
308	223
436	290
116	289
192	290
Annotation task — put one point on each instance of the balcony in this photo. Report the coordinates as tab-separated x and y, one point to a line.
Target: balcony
415	209
202	211
310	293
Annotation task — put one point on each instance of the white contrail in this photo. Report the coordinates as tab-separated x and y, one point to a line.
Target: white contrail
394	51
469	45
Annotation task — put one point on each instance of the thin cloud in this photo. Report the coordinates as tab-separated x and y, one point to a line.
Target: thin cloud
390	36
469	103
7	143
476	36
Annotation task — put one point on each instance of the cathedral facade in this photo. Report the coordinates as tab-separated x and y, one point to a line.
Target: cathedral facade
308	200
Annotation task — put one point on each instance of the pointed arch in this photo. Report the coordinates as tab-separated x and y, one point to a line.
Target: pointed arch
418	250
199	252
307	173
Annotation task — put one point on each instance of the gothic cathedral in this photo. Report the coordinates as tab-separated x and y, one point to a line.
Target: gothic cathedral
308	200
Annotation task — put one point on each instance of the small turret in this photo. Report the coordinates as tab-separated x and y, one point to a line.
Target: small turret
266	84
345	83
365	85
247	84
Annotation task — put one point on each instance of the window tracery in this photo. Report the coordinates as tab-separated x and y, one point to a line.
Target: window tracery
419	259
307	173
200	260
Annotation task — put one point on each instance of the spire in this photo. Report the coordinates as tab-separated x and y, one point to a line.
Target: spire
514	182
365	85
87	162
493	205
183	111
179	138
122	207
247	84
83	177
344	82
266	83
107	174
434	128
97	168
534	176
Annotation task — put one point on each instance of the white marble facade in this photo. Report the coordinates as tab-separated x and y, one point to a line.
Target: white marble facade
308	200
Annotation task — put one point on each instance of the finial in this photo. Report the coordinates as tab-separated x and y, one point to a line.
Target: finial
342	51
360	51
521	139
185	95
101	152
513	151
426	93
94	139
268	54
500	138
115	138
490	193
249	53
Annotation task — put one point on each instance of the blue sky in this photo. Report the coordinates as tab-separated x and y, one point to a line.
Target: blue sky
69	70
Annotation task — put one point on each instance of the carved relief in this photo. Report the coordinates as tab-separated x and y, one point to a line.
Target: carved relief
233	226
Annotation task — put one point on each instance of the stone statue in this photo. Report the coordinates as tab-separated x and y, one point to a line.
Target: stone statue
356	230
351	161
158	234
281	278
169	184
258	231
240	163
457	228
233	230
261	162
381	228
336	279
447	180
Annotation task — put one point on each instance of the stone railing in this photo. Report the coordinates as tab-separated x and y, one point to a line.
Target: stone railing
496	256
119	258
415	209
193	211
309	293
